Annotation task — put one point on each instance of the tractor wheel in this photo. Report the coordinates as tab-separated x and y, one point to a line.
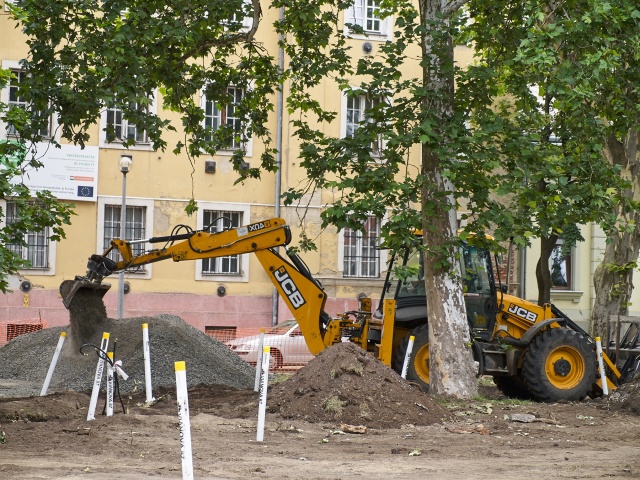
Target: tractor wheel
559	364
512	387
418	368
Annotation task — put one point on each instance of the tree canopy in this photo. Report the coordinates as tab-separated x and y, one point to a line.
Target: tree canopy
518	141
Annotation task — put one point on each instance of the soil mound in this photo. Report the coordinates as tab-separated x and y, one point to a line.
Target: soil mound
346	384
171	339
626	398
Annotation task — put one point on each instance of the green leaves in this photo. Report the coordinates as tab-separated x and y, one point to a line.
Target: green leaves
35	213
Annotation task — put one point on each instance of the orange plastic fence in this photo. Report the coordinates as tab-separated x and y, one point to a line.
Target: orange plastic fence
10	330
288	349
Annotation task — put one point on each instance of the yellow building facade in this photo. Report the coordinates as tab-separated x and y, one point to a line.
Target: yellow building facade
225	293
158	187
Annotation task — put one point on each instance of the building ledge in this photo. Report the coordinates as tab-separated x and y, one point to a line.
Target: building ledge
566	295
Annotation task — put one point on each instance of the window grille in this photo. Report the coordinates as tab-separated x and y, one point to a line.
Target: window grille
17	101
357	108
36	247
122	128
361	255
217	221
215	117
135	227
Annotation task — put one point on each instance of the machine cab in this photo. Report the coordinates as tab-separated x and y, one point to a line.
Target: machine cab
408	289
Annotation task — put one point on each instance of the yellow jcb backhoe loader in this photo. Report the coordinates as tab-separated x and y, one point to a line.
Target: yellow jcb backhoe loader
531	351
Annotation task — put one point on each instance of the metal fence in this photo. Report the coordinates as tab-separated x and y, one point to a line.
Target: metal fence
288	349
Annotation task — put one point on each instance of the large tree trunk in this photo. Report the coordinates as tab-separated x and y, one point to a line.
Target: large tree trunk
613	279
543	274
452	370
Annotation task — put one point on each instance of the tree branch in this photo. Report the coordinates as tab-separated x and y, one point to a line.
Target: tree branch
229	39
452	6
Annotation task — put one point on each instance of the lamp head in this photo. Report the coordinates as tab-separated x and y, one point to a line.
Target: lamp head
125	163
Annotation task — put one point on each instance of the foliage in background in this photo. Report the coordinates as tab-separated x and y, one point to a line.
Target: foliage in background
36	210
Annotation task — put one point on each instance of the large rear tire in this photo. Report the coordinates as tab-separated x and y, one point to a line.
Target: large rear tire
559	364
418	368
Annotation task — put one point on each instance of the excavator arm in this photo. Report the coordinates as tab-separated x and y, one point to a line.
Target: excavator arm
300	291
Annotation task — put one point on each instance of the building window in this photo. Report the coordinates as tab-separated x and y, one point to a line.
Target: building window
217	217
243	17
119	129
35	249
218	221
357	109
560	266
216	116
361	254
17	101
9	2
135	229
367	15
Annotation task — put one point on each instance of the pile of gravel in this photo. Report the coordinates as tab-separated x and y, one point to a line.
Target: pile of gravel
208	361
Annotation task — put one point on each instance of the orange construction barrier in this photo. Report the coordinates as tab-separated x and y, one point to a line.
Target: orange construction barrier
15	328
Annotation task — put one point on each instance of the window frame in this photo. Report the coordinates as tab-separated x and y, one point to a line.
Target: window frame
351	15
152	109
381	254
344	121
50	270
103	201
247	21
244	259
247	147
15	66
568	267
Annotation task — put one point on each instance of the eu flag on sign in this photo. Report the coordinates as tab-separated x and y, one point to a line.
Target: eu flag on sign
85	191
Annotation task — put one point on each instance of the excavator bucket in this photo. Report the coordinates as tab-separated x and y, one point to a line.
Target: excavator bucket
69	288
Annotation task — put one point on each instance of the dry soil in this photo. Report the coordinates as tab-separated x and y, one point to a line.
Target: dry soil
343	415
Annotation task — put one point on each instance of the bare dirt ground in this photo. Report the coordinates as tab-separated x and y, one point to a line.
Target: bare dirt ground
49	437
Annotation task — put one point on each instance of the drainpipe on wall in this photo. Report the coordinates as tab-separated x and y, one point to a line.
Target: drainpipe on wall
278	186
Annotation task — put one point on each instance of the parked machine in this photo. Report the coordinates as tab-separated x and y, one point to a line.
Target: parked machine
531	351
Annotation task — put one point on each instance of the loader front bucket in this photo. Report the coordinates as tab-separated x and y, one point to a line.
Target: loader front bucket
69	288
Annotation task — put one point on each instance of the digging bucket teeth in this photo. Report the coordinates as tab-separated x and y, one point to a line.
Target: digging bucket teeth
69	288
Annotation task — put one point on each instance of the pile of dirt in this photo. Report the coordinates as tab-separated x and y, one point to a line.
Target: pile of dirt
208	361
625	399
346	384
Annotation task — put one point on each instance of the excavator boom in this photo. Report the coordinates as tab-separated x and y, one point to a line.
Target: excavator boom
303	295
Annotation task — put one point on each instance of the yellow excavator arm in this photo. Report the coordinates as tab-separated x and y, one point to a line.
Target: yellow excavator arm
301	292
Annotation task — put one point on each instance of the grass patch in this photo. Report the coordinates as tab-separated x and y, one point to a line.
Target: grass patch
354	369
333	405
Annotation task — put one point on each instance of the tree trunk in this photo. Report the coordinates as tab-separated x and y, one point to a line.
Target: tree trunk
452	370
613	278
543	274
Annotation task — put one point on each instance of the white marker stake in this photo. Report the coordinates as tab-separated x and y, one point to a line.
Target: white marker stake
183	417
147	361
603	376
97	379
52	367
266	351
259	362
407	356
110	385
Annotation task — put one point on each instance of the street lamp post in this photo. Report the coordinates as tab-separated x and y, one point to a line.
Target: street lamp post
125	166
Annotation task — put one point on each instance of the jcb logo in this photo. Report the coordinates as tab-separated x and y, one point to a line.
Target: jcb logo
258	226
290	289
523	312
